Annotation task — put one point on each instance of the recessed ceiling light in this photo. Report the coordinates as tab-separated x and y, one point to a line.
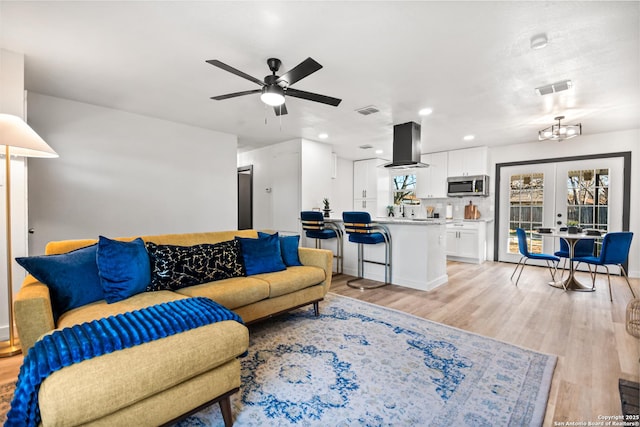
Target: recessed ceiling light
323	136
469	137
425	111
539	41
379	151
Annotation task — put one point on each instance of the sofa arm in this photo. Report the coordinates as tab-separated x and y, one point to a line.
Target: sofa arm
322	258
33	313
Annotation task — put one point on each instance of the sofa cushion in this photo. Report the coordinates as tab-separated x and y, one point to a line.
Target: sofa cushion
262	255
74	395
123	267
72	278
288	249
174	267
232	293
99	309
294	279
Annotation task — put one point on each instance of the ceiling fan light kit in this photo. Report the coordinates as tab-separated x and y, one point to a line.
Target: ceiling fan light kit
275	88
272	95
559	132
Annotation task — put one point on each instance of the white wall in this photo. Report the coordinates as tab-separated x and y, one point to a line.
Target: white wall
122	174
288	177
342	188
584	145
276	185
316	175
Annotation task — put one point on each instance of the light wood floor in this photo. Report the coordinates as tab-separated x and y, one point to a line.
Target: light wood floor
585	330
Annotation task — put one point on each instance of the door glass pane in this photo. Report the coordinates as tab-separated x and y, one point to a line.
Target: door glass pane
588	199
526	194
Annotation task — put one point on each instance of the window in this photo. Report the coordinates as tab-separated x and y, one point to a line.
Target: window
588	200
526	194
404	190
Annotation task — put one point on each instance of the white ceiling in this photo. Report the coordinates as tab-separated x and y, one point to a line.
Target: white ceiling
471	62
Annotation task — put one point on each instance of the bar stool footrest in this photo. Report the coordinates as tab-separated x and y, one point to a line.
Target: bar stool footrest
374	284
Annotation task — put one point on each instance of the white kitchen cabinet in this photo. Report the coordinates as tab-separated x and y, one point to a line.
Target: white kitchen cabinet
370	187
466	241
468	162
432	181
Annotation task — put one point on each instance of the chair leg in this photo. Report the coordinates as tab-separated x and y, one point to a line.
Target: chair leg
340	260
624	273
522	268
593	276
552	271
517	265
564	267
609	280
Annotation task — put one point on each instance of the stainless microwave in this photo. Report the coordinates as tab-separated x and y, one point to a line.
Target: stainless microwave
462	186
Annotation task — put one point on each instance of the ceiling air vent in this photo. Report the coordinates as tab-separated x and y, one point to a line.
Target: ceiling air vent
366	146
365	111
554	87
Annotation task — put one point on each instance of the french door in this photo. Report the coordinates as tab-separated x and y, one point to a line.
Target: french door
585	193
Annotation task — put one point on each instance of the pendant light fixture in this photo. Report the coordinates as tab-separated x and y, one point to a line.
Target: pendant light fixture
559	132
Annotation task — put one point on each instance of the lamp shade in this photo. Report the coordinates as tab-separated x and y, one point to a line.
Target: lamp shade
23	141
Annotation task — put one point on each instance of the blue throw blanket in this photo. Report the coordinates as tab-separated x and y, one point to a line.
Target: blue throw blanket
85	341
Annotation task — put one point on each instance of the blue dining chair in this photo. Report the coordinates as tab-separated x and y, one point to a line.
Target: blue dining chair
315	228
583	247
526	255
614	251
363	231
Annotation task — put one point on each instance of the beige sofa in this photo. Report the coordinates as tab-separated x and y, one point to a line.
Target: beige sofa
160	381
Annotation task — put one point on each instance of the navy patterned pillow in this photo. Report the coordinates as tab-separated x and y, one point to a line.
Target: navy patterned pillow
174	267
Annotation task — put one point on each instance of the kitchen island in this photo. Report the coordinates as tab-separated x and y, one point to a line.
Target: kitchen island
417	253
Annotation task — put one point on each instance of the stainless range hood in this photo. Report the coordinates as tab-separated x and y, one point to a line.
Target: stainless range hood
406	147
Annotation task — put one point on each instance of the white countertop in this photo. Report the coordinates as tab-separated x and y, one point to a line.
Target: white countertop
394	220
449	221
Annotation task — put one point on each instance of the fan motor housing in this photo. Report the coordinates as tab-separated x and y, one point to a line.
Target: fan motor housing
274	64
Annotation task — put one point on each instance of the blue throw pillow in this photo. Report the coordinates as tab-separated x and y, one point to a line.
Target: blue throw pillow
288	249
72	278
124	268
261	255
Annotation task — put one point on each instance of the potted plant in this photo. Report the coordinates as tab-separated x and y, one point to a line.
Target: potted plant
326	209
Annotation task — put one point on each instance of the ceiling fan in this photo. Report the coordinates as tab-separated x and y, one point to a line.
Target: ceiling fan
275	88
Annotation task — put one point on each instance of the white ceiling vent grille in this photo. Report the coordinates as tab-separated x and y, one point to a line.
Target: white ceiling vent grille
554	87
370	109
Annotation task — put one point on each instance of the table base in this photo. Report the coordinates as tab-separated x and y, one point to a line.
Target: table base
571	284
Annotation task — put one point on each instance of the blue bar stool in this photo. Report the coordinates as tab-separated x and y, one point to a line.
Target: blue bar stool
315	228
363	231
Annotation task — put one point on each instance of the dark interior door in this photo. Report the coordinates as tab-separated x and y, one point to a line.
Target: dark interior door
245	197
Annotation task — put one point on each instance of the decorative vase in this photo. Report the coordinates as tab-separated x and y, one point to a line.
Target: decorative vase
326	212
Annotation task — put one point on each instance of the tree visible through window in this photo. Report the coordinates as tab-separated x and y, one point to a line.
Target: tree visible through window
526	195
404	190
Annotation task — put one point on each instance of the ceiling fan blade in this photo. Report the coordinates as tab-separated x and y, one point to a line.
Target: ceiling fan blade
300	71
233	95
280	110
232	70
312	97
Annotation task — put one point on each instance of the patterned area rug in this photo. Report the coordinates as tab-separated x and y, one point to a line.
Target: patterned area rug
6	394
362	364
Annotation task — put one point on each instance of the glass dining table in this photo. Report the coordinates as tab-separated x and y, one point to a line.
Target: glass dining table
571	283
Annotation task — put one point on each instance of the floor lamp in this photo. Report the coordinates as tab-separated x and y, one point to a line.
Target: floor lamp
16	139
